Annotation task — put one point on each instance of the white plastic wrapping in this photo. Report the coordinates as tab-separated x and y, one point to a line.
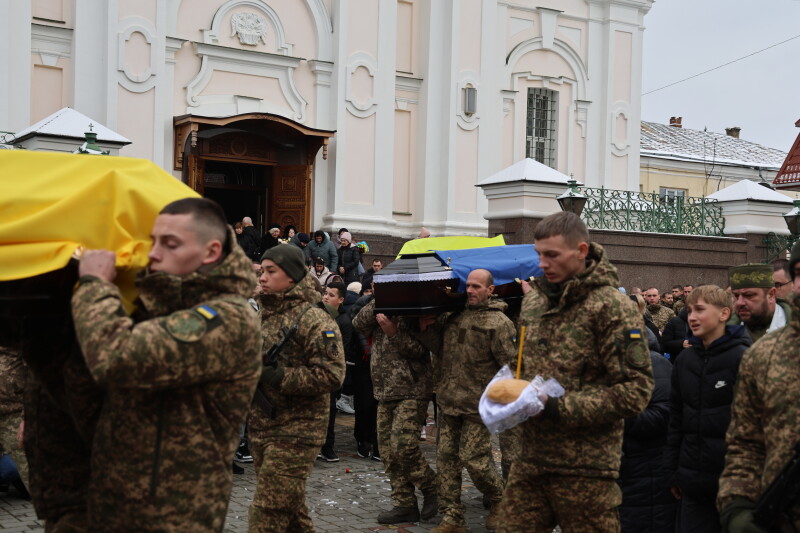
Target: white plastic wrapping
502	416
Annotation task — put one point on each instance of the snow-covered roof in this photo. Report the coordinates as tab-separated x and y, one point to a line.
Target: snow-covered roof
527	170
749	190
70	123
670	142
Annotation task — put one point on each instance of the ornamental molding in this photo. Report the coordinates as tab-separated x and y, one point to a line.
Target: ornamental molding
367	107
132	81
51	43
252	33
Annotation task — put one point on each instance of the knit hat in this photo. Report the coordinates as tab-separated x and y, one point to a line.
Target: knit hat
303	237
751	276
289	258
794	258
346	235
355	287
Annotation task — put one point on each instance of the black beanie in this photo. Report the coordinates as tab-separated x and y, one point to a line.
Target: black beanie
794	258
289	258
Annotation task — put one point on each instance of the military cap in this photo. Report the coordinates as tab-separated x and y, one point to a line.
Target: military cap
289	258
794	258
751	276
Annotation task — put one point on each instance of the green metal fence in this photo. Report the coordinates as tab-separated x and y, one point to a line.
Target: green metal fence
776	246
651	212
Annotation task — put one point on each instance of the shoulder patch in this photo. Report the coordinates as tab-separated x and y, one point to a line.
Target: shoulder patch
635	334
636	353
186	326
328	334
206	312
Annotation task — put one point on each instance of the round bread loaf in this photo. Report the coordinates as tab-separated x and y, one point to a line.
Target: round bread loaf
507	390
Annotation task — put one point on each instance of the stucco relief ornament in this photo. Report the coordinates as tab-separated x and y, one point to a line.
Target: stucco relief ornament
250	27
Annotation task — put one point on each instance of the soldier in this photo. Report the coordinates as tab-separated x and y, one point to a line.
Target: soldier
755	301
178	376
13	375
765	420
288	426
586	334
475	343
659	313
401	376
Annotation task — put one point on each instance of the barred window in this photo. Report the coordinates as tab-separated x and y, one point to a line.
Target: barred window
541	126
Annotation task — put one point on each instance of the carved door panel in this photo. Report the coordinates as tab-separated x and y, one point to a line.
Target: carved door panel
289	196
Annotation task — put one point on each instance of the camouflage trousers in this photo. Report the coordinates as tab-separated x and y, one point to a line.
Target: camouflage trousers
537	503
9	428
399	424
510	441
282	467
464	443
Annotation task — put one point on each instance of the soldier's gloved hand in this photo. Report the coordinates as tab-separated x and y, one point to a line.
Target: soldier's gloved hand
271	376
737	517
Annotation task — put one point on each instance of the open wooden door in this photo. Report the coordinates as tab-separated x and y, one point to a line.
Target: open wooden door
290	196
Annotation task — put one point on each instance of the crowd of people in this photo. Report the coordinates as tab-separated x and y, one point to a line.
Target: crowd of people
680	405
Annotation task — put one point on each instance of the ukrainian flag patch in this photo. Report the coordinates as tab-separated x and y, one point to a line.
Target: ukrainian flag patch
329	334
207	312
635	334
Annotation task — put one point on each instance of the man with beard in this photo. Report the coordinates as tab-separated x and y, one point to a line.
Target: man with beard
755	303
658	312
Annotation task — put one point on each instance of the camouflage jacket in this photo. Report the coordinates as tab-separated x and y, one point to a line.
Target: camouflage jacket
590	337
765	421
400	366
476	343
179	380
13	375
313	362
660	315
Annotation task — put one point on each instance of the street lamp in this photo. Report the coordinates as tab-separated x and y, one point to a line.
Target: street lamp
792	219
572	201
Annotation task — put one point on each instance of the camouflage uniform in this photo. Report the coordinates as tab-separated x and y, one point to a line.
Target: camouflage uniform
590	337
476	343
766	417
660	315
401	376
179	379
13	374
678	305
285	447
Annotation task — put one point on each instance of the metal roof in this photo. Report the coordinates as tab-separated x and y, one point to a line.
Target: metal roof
67	122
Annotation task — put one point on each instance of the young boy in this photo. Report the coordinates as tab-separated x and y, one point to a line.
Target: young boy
702	392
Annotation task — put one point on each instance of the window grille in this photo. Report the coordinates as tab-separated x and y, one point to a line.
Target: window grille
542	125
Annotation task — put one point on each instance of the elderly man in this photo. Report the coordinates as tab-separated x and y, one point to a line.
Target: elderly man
473	345
765	422
178	376
658	312
251	241
755	304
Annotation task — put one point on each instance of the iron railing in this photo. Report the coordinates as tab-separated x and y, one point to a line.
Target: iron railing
651	212
776	246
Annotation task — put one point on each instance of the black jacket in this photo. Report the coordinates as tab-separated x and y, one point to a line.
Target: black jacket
251	243
675	332
349	258
647	505
702	392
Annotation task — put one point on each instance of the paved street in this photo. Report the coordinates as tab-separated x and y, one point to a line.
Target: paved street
337	500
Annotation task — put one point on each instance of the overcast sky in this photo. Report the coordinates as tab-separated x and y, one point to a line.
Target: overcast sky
760	94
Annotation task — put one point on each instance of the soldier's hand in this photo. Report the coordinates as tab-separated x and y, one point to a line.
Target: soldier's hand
686	344
98	263
387	325
737	517
526	287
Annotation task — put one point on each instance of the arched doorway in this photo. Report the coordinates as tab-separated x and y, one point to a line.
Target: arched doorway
257	165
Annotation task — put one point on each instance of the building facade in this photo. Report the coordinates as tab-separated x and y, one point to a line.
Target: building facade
376	115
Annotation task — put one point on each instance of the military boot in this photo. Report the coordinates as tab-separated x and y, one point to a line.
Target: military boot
449	527
398	515
430	505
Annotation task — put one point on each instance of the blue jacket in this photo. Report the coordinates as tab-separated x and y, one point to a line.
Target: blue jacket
326	250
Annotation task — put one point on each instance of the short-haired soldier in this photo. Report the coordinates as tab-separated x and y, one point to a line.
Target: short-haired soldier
178	375
582	331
